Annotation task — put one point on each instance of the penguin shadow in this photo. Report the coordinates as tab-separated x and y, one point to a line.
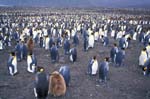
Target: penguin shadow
113	64
104	84
55	97
91	77
90	48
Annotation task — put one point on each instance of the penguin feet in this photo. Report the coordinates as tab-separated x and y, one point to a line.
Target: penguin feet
18	60
100	81
15	73
53	61
88	73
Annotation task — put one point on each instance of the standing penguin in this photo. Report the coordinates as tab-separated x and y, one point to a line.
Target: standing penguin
18	50
41	42
1	44
31	63
65	71
91	41
120	56
113	33
103	70
128	42
134	36
73	54
93	66
47	41
59	41
6	40
51	41
146	39
85	44
66	46
141	37
24	50
96	36
113	52
54	53
41	84
12	64
143	57
146	68
30	44
105	40
85	38
148	50
75	39
122	42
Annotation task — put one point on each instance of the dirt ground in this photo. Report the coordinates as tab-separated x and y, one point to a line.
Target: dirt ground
125	82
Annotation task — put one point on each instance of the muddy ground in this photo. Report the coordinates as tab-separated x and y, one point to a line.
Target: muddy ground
125	82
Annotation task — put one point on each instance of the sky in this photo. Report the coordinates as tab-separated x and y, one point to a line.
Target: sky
79	3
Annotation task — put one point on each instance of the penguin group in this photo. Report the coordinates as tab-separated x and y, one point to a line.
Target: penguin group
61	35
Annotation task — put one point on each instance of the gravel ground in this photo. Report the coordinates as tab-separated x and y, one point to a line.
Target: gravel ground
125	82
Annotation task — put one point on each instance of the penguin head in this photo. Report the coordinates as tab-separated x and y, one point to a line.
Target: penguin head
129	38
53	44
106	59
123	49
46	36
30	53
144	49
40	69
12	53
94	57
17	41
41	38
22	41
115	44
145	68
143	52
92	33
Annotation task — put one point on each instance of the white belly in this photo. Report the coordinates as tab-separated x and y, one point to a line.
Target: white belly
142	59
47	43
91	41
14	62
113	33
134	36
1	45
96	36
94	68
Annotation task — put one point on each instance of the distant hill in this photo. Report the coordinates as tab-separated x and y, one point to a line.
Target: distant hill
79	3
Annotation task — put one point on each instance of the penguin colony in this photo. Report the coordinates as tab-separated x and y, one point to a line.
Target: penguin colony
25	31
